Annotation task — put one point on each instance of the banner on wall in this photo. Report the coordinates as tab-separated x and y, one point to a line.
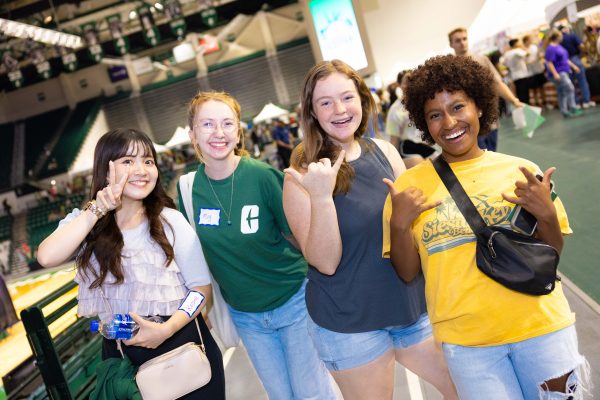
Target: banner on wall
90	36
37	56
12	69
120	41
209	17
209	44
68	58
151	33
175	14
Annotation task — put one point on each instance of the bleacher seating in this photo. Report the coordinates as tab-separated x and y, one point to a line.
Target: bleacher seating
39	130
66	149
38	224
5	228
6	150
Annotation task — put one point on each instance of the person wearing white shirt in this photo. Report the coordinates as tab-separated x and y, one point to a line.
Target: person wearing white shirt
515	60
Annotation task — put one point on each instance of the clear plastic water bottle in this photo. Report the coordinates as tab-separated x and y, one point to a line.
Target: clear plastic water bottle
121	326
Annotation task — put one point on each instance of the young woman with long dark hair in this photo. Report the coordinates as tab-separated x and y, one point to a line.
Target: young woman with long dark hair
137	253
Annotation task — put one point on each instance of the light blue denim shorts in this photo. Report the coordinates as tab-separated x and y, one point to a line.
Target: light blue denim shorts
340	351
516	370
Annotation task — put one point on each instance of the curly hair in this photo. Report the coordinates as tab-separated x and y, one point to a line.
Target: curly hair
450	73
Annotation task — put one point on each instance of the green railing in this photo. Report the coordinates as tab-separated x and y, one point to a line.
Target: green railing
66	363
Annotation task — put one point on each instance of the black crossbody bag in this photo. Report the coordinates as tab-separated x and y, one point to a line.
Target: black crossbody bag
519	262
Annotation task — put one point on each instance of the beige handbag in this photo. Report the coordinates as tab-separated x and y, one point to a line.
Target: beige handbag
173	374
176	373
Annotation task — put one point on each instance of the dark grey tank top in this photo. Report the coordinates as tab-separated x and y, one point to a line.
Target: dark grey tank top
365	293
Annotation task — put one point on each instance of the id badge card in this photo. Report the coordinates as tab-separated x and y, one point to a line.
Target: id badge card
209	216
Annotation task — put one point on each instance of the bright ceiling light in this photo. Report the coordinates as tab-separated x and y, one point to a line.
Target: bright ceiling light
132	14
158	6
48	36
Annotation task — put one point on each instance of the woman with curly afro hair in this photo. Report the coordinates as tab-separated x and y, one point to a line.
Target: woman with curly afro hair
498	343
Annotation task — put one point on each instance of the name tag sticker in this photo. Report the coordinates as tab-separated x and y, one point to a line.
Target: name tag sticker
209	216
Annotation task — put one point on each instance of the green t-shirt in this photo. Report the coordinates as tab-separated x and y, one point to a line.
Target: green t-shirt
256	267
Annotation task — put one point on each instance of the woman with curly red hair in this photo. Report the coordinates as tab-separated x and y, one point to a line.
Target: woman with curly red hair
498	343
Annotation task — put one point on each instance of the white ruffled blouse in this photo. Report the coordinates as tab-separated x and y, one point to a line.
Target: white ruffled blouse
149	287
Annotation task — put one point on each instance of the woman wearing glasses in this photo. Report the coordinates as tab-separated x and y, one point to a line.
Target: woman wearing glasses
244	234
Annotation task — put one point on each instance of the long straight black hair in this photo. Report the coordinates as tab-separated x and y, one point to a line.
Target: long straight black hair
105	240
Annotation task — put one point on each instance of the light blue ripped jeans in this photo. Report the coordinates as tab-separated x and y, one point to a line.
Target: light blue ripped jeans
282	352
517	371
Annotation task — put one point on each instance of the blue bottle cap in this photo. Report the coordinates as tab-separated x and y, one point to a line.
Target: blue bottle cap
94	325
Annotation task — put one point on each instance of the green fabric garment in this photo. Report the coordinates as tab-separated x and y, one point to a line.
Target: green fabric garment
256	267
115	380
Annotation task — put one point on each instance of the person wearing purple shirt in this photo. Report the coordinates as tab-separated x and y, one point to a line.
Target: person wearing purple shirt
573	44
558	67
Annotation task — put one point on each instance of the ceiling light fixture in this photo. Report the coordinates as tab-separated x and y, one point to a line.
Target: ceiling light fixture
48	36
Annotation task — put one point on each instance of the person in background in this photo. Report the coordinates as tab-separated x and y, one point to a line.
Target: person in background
362	317
284	140
535	66
459	42
402	133
248	245
499	343
515	61
574	46
137	253
558	67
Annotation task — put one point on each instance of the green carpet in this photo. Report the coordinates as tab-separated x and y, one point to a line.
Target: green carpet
573	147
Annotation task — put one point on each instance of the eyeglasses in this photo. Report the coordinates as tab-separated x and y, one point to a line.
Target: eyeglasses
211	125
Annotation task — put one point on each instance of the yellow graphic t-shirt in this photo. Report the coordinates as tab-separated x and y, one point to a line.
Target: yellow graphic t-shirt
465	306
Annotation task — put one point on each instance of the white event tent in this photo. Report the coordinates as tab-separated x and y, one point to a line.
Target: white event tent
270	111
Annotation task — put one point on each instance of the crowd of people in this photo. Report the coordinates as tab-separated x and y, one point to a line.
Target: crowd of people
337	266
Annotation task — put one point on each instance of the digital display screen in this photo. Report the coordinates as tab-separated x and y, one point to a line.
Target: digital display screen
338	33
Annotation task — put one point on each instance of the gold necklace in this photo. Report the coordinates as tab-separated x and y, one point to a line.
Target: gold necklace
227	214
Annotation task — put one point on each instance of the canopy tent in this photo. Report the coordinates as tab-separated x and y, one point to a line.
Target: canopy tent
160	148
510	16
179	137
516	16
559	9
270	111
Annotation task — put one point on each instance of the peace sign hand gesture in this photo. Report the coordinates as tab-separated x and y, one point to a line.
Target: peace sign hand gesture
407	205
320	177
109	198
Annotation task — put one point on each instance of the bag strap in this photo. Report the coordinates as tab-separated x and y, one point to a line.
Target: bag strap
186	182
185	188
461	198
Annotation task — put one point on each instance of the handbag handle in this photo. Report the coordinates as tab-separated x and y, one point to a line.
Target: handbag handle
119	347
461	198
